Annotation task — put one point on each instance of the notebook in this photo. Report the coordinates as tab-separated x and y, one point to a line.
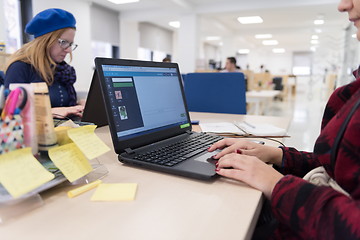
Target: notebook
94	110
148	118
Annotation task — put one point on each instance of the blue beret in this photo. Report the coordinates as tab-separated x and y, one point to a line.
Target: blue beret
50	20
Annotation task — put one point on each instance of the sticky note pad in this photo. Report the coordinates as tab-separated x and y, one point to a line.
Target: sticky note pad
71	161
62	136
21	172
85	138
115	192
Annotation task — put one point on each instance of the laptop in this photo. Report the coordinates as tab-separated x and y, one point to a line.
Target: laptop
94	109
149	120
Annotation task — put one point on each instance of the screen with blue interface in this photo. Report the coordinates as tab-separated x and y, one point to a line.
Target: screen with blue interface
144	99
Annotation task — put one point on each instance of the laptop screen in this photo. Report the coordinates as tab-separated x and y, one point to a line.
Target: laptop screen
144	99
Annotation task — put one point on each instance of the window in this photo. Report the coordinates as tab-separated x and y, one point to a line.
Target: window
12	25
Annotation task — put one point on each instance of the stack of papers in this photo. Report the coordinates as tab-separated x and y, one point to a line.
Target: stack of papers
243	129
261	129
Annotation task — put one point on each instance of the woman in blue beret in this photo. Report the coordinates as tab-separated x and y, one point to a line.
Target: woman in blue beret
42	60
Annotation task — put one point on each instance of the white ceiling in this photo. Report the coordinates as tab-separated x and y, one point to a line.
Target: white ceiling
289	21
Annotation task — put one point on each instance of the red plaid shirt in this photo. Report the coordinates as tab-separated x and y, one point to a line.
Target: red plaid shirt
306	211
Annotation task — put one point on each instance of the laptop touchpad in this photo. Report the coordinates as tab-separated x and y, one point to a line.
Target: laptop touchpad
207	157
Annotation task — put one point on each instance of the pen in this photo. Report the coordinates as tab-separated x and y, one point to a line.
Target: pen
77	191
241	129
250	125
14	95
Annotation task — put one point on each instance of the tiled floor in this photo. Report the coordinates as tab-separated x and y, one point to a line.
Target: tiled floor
305	109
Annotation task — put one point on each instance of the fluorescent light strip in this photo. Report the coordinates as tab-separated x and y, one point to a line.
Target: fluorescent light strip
244	51
314	41
263	36
278	50
123	1
319	22
250	20
314	37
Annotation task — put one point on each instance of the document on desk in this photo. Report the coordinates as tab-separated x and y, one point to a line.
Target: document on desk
261	129
71	161
243	129
221	128
87	141
115	192
21	172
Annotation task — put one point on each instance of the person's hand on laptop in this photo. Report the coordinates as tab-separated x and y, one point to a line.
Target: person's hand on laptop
265	153
250	170
65	112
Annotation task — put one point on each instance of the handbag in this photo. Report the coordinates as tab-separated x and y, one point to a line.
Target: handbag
11	123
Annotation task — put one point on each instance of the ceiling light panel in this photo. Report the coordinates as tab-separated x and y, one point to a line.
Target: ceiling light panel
319	22
250	20
270	42
263	36
123	1
174	24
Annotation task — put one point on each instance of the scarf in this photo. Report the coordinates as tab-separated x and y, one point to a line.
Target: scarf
65	74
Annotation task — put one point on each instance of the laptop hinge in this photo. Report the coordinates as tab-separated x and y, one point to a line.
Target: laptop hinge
129	151
188	132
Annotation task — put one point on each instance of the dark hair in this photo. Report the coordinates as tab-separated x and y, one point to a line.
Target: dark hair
167	59
232	60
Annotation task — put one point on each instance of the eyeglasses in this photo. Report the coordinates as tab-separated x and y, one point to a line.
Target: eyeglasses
66	44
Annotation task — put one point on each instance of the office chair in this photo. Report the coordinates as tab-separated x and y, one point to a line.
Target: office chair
278	85
215	92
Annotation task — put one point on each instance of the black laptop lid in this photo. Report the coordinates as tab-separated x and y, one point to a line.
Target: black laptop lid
94	111
144	101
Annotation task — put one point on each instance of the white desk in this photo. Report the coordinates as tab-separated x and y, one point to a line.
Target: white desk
260	99
166	206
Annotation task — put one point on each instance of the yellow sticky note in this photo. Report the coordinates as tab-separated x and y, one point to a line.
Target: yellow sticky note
85	138
77	191
71	161
20	172
62	136
115	192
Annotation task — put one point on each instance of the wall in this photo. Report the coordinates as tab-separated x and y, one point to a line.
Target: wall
82	57
104	25
275	63
2	22
155	38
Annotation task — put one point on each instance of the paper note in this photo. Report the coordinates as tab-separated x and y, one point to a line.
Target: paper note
71	161
263	129
220	127
85	138
77	191
115	192
62	136
20	172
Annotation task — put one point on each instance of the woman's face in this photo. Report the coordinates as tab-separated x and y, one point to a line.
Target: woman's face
352	7
57	50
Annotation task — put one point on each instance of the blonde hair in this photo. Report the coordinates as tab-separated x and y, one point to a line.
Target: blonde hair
37	53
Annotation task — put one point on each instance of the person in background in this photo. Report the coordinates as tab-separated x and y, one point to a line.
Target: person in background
230	65
166	59
300	207
42	60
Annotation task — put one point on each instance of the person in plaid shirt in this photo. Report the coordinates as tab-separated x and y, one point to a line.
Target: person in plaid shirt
301	209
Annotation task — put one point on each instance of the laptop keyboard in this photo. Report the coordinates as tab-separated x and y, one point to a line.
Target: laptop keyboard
180	151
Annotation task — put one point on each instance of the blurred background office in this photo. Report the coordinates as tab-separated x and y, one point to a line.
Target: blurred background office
308	43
